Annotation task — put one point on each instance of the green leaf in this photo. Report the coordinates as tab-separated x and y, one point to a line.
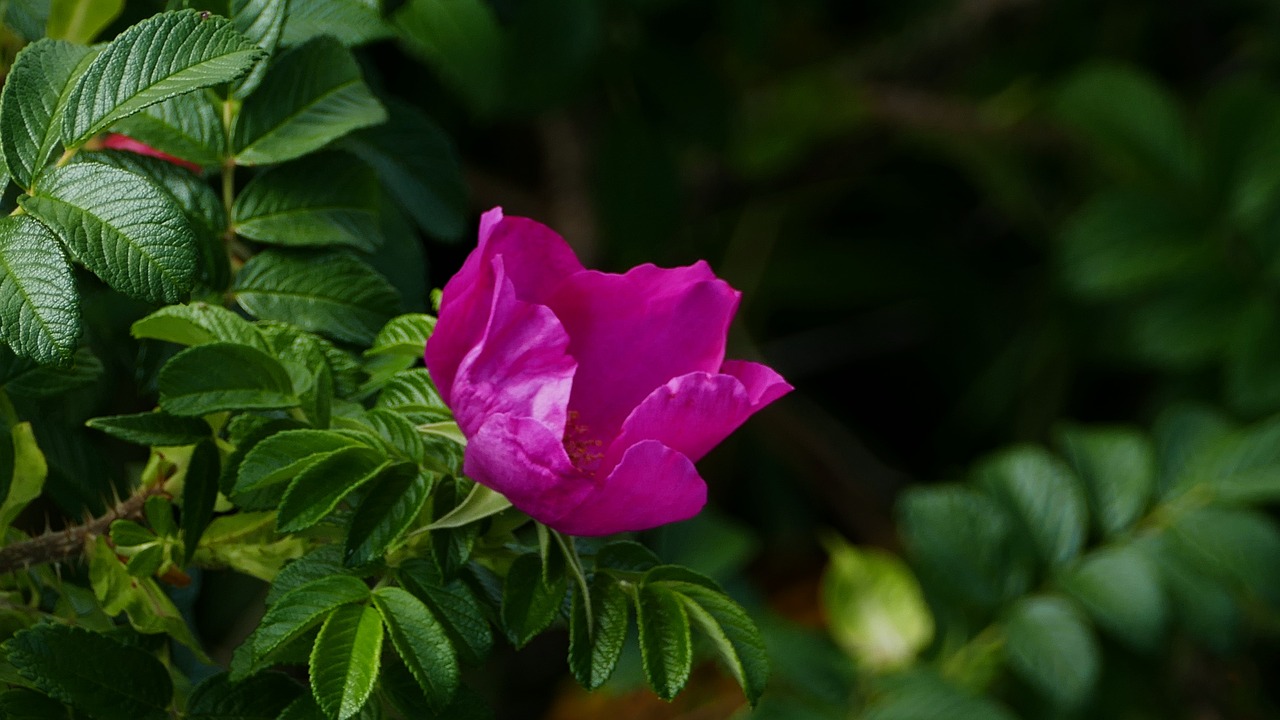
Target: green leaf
400	436
666	642
24	704
29	473
163	56
153	428
318	489
1118	468
874	607
223	376
39	305
80	21
596	645
1120	588
31	104
262	21
922	694
202	207
961	543
421	643
23	377
198	324
311	95
454	605
387	511
1050	646
261	697
127	231
352	22
120	683
331	293
1240	548
529	604
480	503
1125	242
734	636
126	590
296	612
345	660
418	167
186	127
462	41
412	392
1044	497
282	456
199	494
627	556
286	206
1184	433
1146	133
404	337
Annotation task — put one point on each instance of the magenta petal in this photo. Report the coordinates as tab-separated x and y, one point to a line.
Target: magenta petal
693	413
632	333
520	458
652	486
521	366
763	383
537	261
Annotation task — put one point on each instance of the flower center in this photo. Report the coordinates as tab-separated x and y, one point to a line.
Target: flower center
584	452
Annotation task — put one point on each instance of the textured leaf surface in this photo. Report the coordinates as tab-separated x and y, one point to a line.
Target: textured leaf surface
318	489
153	428
734	636
330	293
528	603
345	660
352	22
222	376
34	94
163	56
1050	646
297	611
404	336
287	206
282	456
418	166
594	648
121	682
198	324
185	126
454	605
388	509
421	642
666	643
311	94
39	305
24	377
122	227
261	697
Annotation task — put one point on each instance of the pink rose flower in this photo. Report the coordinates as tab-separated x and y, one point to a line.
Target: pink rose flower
586	396
116	141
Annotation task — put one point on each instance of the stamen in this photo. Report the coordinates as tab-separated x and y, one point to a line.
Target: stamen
583	451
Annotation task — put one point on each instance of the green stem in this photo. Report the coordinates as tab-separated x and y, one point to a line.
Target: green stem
575	566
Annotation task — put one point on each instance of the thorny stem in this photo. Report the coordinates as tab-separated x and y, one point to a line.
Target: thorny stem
59	545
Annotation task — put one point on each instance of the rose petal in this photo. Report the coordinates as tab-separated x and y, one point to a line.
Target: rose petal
527	463
537	261
520	367
691	414
632	333
653	485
